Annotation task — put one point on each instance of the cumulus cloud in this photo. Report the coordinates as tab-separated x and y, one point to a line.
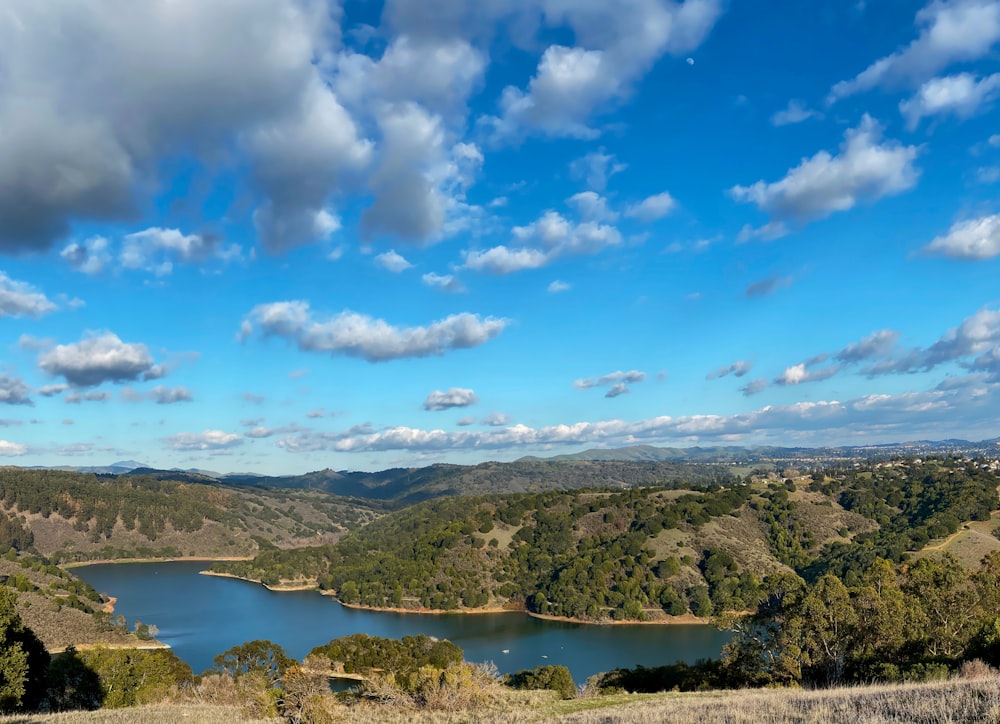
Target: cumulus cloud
393	262
169	395
452	397
875	346
504	260
976	337
797	374
794	112
595	168
864	171
89	257
754	386
496	419
99	357
950	32
14	391
973	240
20	299
618	41
556	286
155	249
652	207
357	335
444	282
207	440
12	449
616	382
617	389
465	421
59	125
736	369
963	96
75	398
867	414
591	206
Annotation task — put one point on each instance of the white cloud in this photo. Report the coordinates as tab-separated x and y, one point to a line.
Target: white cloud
98	358
496	419
876	345
797	374
591	206
465	421
736	369
20	299
444	282
963	95
393	262
12	449
75	398
595	168
447	399
90	257
864	171
14	391
794	112
618	41
652	207
504	260
557	286
301	143
950	32
974	240
155	249
169	395
52	390
207	440
357	335
613	378
867	415
754	386
617	389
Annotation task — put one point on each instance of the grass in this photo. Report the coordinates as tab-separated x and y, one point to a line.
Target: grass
954	701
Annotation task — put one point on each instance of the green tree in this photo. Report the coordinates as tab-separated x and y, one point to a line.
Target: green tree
259	656
23	659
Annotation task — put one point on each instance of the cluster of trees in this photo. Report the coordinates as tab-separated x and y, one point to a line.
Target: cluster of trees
912	622
591	554
96	503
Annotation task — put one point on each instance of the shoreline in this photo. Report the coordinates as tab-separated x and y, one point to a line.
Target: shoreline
145	646
687	619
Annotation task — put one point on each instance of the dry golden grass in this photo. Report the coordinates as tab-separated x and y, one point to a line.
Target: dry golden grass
963	700
972	542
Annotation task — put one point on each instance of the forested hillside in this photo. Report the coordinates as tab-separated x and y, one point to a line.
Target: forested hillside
643	553
75	516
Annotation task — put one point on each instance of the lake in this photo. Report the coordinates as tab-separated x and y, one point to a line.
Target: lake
201	616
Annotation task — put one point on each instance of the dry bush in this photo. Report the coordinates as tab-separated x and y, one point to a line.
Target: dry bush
975	669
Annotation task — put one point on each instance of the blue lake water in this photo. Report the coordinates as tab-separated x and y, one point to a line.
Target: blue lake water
201	616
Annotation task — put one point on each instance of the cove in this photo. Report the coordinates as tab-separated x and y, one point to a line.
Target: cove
201	616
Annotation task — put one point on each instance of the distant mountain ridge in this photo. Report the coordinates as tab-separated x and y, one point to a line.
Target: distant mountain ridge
625	467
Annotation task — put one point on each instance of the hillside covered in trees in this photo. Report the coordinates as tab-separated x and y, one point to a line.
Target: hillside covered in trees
71	516
643	553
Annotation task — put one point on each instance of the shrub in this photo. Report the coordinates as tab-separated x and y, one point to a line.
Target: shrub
555	678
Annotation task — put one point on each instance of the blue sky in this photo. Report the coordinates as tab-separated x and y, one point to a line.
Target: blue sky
283	235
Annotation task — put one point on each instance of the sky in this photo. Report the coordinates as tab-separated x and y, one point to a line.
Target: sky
277	236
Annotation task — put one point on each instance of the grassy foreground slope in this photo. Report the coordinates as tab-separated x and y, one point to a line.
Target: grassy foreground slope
976	700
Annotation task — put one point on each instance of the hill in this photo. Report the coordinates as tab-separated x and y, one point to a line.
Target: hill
79	516
642	553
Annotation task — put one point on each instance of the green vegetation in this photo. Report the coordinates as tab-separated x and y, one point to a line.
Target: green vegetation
364	654
598	555
71	516
23	659
554	678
